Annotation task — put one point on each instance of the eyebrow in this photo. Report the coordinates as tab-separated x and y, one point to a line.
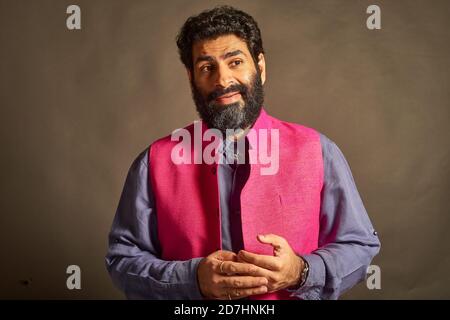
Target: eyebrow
232	54
224	56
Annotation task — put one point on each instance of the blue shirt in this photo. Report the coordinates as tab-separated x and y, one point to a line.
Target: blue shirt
347	240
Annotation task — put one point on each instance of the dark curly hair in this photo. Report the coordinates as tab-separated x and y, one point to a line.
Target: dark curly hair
216	22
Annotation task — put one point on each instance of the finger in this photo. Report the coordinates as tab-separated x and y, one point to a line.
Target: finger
225	255
242	293
231	267
263	261
274	240
262	272
257	272
243	282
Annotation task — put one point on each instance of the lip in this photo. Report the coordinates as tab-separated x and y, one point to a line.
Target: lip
229	97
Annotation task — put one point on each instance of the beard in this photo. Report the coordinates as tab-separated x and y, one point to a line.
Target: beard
235	115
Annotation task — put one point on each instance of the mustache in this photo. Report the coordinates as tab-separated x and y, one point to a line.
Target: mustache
232	88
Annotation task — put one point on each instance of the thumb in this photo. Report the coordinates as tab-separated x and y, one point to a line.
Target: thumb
273	239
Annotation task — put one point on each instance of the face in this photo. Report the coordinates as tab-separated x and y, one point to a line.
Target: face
226	84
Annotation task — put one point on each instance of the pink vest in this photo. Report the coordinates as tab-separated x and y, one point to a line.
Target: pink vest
286	204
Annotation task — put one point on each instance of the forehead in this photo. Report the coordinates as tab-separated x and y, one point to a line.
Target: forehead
219	46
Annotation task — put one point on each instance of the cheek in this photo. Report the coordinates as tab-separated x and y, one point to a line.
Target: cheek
246	77
200	88
204	86
248	80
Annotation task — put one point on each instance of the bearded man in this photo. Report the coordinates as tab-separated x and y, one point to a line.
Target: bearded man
225	229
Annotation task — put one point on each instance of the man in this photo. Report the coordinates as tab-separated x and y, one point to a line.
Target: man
227	229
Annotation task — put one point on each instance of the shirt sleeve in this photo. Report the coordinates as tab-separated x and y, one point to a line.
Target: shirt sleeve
133	257
347	239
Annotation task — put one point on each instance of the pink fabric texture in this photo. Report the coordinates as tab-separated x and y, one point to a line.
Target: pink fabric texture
286	203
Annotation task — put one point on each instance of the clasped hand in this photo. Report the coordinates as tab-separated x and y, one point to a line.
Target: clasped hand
226	275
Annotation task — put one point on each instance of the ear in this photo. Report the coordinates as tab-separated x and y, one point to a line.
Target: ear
262	67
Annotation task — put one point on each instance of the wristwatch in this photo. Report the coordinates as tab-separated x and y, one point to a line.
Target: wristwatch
304	274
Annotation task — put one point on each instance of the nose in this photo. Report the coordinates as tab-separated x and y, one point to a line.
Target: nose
224	76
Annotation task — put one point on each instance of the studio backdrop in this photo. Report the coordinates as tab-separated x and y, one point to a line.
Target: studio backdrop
79	104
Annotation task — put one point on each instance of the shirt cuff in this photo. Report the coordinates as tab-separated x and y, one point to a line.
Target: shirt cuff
186	279
315	281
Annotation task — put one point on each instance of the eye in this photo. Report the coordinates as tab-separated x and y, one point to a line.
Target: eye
206	68
235	63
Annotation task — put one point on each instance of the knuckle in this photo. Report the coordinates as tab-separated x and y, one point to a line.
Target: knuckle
244	292
210	263
273	278
276	278
237	283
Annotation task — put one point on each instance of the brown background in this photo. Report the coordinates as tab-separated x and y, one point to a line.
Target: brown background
78	106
